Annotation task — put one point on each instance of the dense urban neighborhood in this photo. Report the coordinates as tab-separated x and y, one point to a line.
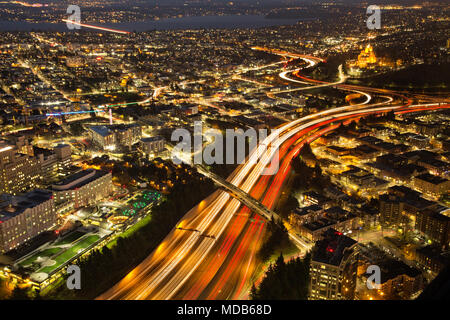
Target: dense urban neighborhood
115	154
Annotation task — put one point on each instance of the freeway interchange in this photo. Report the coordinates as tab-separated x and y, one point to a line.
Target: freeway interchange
210	254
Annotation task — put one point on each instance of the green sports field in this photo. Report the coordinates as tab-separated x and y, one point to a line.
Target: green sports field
70	238
59	252
71	252
44	254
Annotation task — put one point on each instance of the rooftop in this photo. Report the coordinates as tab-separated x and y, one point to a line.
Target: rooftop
106	130
16	205
431	178
152	139
307	210
78	179
332	249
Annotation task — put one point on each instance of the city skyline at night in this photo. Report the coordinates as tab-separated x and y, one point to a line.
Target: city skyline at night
247	151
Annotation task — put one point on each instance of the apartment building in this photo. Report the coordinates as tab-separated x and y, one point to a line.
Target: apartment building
81	189
23	218
333	267
18	172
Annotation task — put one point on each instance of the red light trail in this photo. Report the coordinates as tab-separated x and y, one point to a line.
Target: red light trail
147	281
230	239
270	198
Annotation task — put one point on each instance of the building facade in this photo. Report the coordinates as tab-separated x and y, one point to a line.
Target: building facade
151	147
81	189
434	225
391	208
431	185
333	267
22	218
112	137
18	172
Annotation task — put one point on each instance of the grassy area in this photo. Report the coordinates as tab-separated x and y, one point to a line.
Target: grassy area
144	221
71	252
46	253
287	251
70	238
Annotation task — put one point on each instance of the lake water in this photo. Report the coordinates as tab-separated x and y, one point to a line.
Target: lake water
201	22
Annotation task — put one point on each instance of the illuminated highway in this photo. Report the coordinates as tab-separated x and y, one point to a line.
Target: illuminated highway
210	254
182	251
165	263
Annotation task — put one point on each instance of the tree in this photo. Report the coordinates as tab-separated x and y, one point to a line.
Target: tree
254	293
289	205
3	289
390	115
19	294
284	281
278	238
307	152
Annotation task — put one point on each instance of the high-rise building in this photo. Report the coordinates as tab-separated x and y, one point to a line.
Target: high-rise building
18	172
391	208
81	189
432	258
333	267
22	144
22	218
53	162
434	225
64	156
48	163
